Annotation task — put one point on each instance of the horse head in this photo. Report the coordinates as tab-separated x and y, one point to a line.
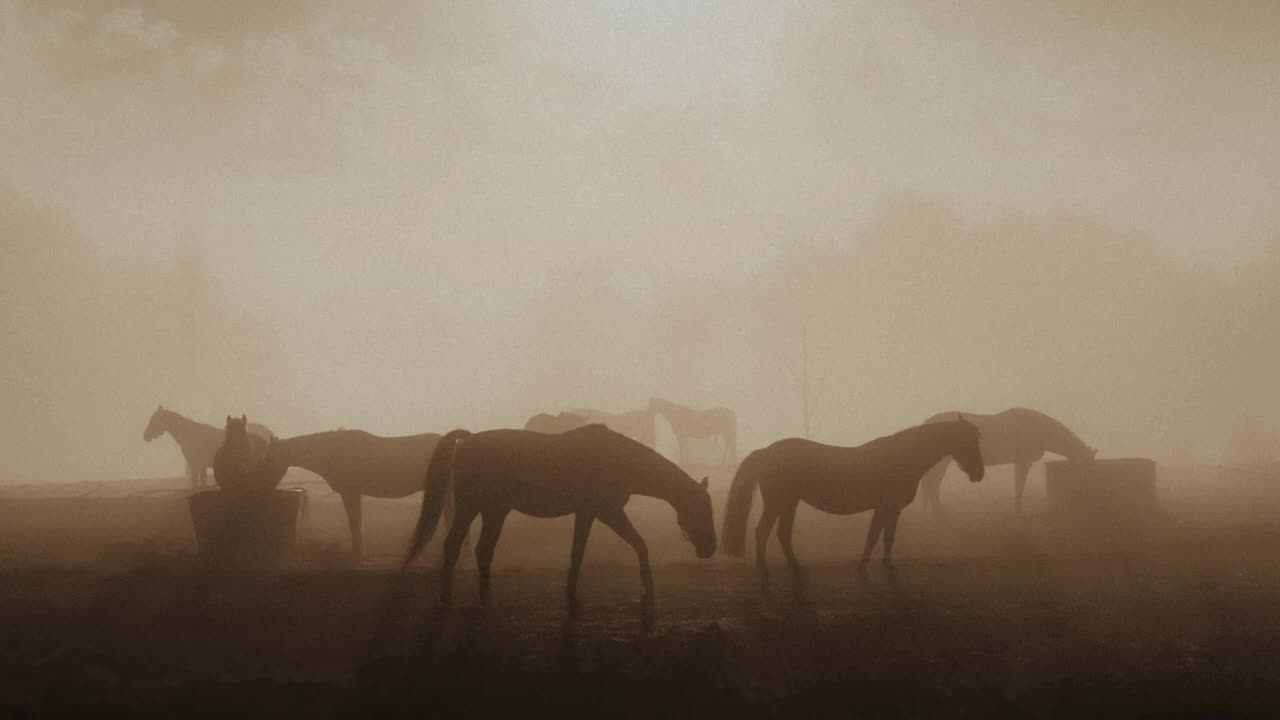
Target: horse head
157	425
697	523
967	450
237	431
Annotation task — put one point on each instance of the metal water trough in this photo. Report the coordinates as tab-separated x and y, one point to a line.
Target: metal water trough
1101	490
245	529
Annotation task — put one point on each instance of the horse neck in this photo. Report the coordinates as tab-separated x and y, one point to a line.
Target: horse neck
309	452
937	440
1061	440
185	430
666	483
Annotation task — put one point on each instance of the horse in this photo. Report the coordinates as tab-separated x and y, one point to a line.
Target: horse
197	441
689	423
240	464
553	424
636	424
882	475
1017	436
589	472
356	464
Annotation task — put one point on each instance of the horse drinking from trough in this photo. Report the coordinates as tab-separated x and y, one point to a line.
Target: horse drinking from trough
357	464
1017	436
589	472
882	475
197	441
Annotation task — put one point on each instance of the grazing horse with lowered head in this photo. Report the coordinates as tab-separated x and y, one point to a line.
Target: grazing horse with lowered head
197	441
882	475
589	473
1017	436
555	424
688	423
357	464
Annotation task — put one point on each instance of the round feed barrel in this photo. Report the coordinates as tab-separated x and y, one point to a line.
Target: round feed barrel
1109	490
245	529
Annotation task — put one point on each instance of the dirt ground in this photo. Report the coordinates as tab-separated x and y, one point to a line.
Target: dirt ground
101	608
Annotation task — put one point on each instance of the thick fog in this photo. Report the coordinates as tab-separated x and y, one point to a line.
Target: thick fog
417	217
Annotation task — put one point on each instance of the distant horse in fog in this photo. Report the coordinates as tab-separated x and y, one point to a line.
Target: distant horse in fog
637	424
197	441
356	464
688	423
589	473
555	424
1017	436
882	475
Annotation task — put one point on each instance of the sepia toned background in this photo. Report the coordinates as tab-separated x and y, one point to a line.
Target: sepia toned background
440	215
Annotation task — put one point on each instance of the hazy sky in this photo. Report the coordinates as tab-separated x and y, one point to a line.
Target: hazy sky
392	187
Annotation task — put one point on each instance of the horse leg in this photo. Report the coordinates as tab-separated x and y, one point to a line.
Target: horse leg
1020	471
490	529
767	518
873	537
618	521
351	502
581	531
462	519
890	529
786	524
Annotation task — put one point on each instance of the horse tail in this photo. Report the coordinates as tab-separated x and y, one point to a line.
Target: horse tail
436	488
741	493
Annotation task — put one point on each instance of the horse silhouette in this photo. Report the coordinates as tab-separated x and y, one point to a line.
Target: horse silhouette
240	463
589	472
555	424
197	441
882	475
688	423
1017	436
357	464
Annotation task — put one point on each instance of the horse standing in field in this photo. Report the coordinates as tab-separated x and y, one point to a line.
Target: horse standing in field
589	473
882	475
1017	436
555	424
197	441
356	464
688	423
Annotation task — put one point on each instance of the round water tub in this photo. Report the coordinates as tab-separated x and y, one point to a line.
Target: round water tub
1108	489
245	529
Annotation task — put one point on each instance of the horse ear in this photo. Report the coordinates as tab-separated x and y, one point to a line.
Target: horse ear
228	419
704	483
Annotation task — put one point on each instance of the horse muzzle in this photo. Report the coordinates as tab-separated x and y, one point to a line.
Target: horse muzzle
977	475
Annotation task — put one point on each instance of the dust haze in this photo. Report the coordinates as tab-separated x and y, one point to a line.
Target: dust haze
821	219
417	218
